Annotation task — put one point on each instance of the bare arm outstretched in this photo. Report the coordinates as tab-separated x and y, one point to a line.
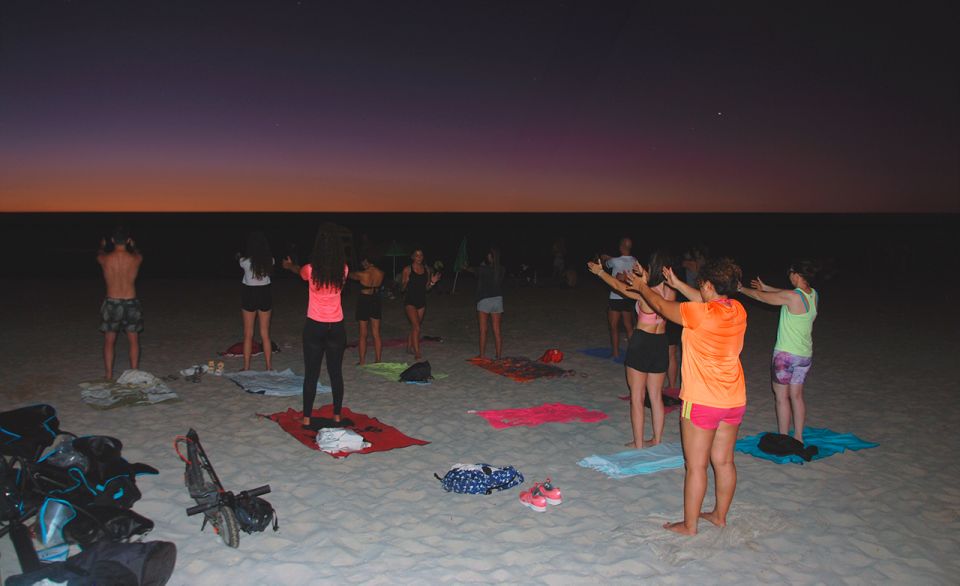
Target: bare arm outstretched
617	285
668	309
678	285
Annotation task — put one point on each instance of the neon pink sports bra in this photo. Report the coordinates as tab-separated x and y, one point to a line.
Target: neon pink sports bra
653	317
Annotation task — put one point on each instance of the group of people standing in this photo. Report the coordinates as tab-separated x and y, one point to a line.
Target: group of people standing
656	307
324	334
713	390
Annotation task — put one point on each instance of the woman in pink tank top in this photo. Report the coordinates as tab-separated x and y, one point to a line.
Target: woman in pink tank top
323	332
646	360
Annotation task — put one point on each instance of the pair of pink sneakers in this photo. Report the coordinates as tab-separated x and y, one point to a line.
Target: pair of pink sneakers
540	495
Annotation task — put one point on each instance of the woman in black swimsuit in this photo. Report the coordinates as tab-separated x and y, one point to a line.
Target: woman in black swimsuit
417	278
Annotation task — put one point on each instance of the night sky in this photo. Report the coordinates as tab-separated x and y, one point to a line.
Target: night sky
478	106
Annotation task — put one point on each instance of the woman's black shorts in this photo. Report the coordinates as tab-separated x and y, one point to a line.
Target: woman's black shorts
368	307
674	333
256	298
647	352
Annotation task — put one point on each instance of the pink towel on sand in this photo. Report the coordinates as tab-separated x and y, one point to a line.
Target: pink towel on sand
546	413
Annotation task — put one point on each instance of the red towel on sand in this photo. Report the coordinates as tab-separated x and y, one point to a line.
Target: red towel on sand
520	369
546	413
382	436
667	392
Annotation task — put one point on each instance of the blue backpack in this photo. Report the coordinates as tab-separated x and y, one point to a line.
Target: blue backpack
479	478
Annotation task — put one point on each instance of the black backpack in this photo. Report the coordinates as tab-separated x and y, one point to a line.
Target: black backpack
778	444
255	514
109	564
418	372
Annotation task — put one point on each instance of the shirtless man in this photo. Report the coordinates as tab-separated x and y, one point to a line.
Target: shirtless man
120	311
368	306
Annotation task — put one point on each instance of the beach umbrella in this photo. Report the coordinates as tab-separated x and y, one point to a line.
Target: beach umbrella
395	250
460	263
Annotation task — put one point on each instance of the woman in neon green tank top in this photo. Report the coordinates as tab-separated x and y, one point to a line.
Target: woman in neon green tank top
793	351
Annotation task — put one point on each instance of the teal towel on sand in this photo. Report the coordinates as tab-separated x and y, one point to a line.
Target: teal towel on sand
633	462
828	443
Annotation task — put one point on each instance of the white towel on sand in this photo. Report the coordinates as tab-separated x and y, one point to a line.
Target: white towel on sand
133	387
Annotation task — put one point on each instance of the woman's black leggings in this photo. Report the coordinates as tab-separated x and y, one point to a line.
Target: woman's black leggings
321	338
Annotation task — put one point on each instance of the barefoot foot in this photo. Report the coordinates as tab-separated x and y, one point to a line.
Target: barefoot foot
714	518
680	528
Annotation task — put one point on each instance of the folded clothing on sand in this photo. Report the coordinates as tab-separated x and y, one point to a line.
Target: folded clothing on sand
334	440
381	436
633	462
284	383
546	413
604	353
827	442
133	387
520	368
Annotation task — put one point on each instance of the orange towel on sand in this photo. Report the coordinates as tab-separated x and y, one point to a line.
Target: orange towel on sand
520	369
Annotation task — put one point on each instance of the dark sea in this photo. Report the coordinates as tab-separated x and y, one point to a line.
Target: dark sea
190	245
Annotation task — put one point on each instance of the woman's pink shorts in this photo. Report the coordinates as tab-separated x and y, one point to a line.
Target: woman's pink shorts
710	417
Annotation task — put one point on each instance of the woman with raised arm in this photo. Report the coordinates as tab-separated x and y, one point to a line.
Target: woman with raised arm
618	308
793	351
712	385
323	332
646	361
256	300
415	281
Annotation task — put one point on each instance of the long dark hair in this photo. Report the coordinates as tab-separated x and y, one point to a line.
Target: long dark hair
327	258
658	260
258	251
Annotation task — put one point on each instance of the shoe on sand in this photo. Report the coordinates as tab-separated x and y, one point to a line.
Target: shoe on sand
549	492
533	499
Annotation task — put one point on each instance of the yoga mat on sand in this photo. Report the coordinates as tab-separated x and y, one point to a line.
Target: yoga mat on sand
633	462
521	369
828	443
391	370
546	413
381	436
603	353
276	384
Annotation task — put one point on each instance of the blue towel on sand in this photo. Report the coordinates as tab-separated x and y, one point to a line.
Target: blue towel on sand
277	384
603	353
828	443
633	462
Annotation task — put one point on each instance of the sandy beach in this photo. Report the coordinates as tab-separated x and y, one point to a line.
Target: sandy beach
882	371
